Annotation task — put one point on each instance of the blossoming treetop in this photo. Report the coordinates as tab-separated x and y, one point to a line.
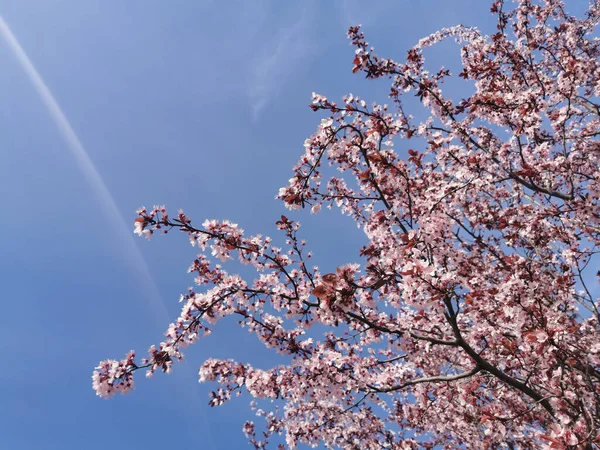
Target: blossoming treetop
469	321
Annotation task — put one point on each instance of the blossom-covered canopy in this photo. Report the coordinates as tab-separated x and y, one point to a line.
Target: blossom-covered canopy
467	320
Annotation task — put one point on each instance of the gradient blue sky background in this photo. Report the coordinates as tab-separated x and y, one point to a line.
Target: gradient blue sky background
198	105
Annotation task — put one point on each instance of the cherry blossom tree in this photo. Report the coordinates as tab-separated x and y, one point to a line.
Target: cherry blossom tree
469	321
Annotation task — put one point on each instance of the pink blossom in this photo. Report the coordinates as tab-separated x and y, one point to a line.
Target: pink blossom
469	321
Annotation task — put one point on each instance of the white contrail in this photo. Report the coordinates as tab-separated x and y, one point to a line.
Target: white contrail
130	250
124	232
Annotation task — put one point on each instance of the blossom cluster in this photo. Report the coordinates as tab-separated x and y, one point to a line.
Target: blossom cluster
469	320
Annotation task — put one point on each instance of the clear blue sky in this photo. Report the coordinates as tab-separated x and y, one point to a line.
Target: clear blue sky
194	104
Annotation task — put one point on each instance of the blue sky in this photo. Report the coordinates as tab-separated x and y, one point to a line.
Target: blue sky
198	105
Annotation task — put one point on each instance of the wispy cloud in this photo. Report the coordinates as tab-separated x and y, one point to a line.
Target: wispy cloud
279	56
355	12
